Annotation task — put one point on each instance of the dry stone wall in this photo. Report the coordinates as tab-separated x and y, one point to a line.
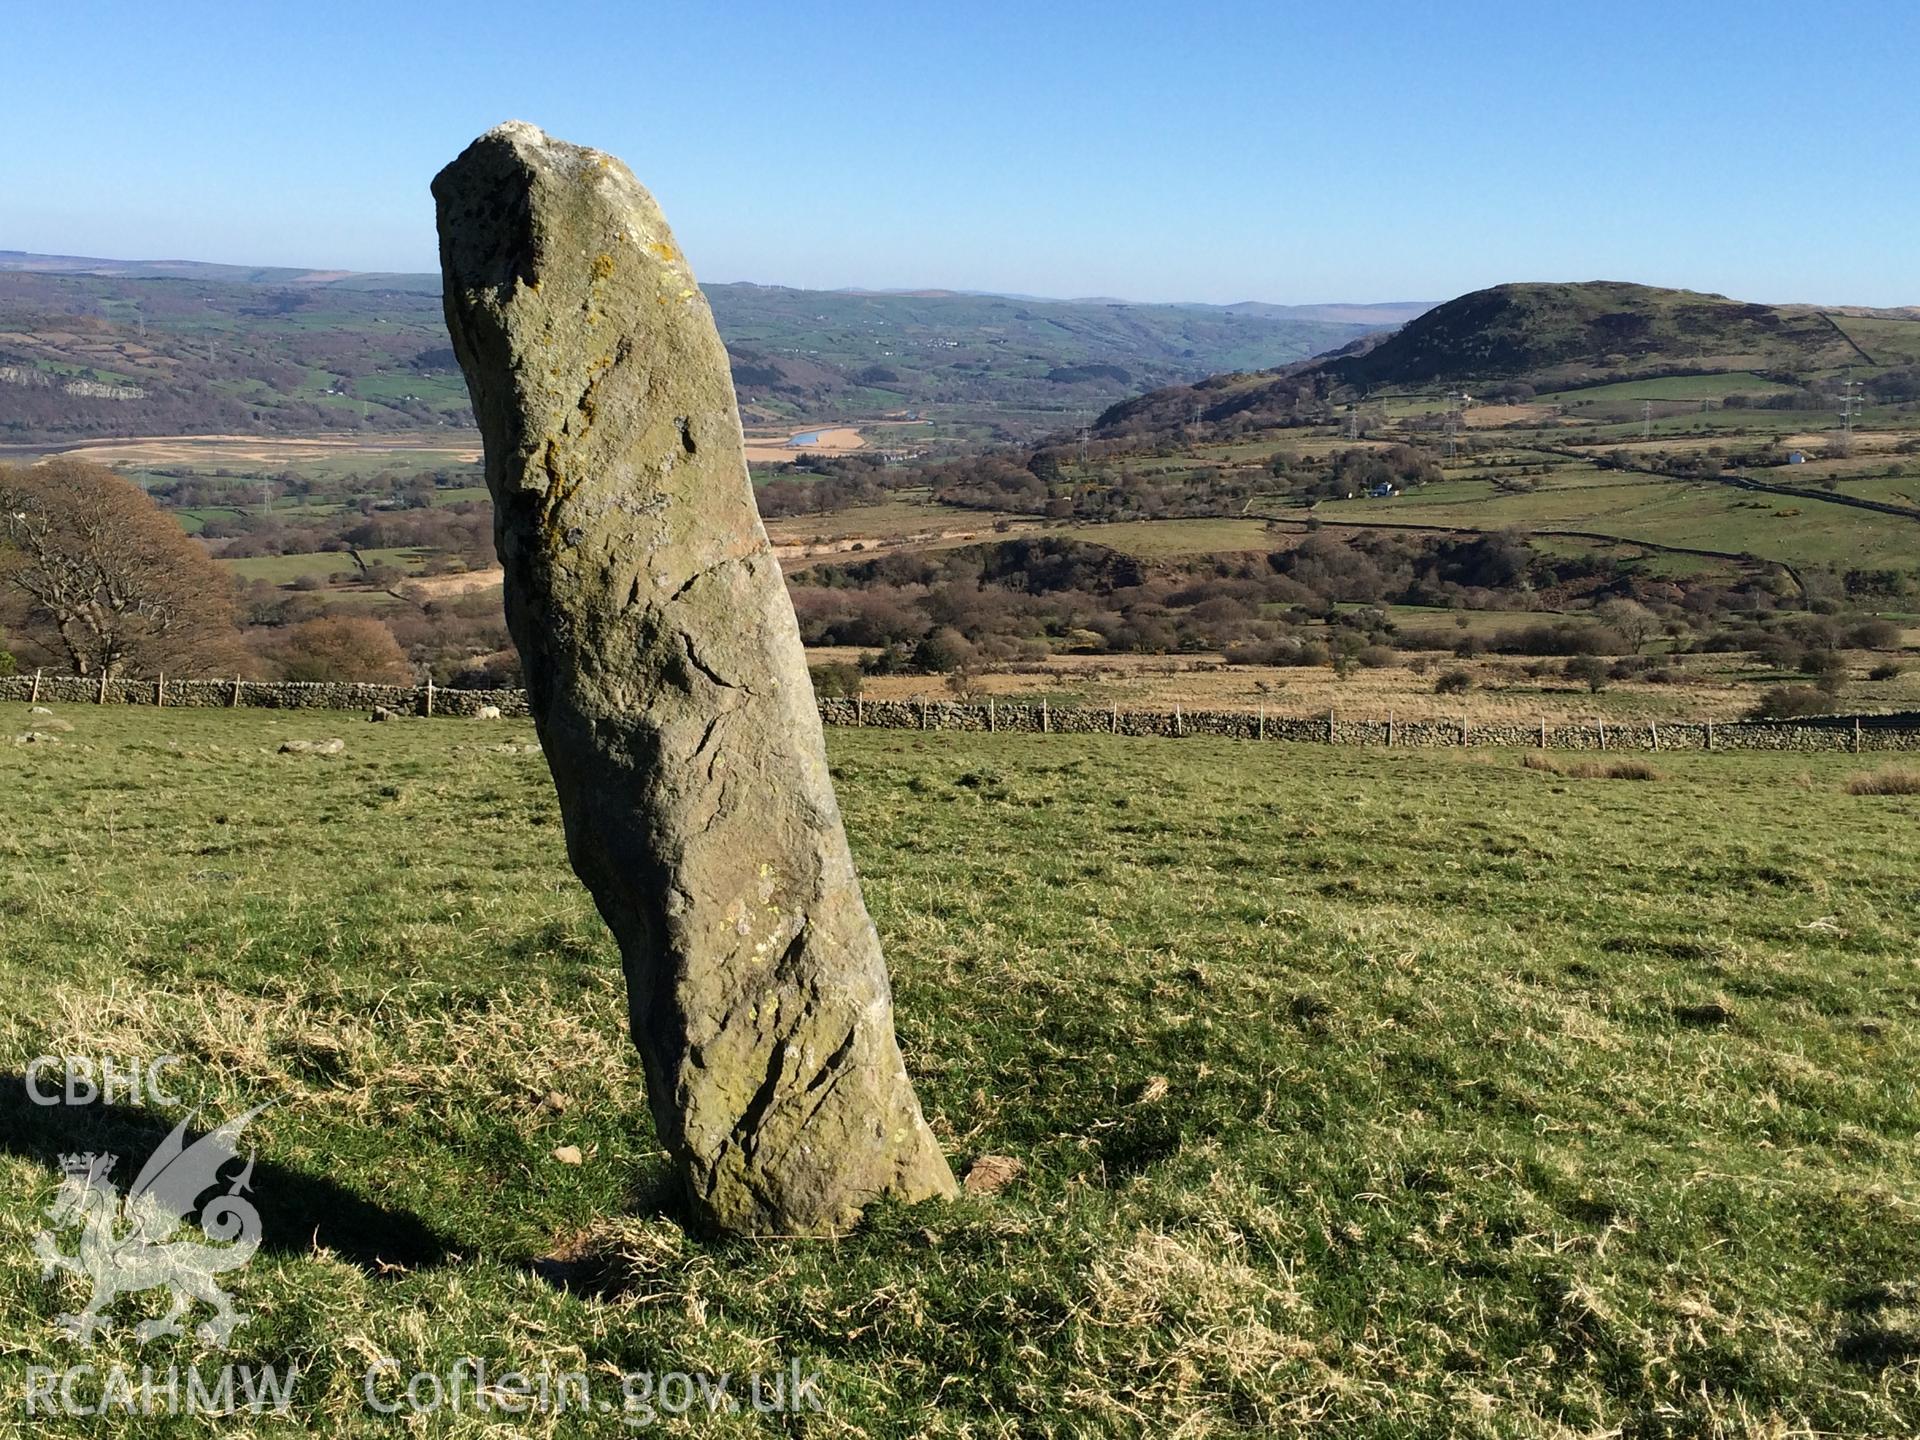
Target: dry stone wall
1847	733
1842	733
263	694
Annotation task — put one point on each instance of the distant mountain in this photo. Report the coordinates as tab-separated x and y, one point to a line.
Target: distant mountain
1549	336
1569	333
27	263
93	347
1016	363
1387	313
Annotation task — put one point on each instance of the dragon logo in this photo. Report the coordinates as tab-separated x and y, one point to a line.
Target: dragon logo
135	1244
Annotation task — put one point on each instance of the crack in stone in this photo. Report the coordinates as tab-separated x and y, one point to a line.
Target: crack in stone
693	658
835	1060
746	1129
702	573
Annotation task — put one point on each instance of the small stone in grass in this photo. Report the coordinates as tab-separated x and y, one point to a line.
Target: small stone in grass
1706	1014
992	1172
569	1155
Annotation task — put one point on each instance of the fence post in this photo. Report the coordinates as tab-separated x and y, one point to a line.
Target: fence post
992	720
859	711
234	703
1856	734
1603	732
160	692
1463	732
1390	735
1709	734
1329	727
1653	730
1543	732
429	697
1116	717
1176	722
1046	717
1263	723
34	699
101	698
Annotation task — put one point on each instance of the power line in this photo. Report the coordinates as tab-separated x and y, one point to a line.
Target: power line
1849	406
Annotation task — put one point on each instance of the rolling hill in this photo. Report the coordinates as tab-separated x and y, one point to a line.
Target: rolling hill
1568	334
1550	337
92	347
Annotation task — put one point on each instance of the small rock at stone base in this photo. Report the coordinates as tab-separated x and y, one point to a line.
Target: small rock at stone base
992	1172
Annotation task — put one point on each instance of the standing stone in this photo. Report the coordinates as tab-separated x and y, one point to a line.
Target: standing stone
665	676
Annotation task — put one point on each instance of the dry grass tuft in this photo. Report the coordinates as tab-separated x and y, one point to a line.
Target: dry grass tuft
1209	1329
1591	769
1886	782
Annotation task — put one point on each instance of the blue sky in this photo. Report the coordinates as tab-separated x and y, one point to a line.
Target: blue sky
1218	151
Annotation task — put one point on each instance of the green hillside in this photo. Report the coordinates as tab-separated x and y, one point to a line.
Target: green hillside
804	349
1547	337
92	348
1575	332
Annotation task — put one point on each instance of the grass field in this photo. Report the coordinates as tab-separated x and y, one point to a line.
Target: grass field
1359	1093
1152	539
1668	387
321	565
887	523
1888	341
1697	514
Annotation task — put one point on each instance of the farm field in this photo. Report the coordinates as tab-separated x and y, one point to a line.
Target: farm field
1152	538
893	520
1499	688
1695	514
322	566
1668	387
1359	1093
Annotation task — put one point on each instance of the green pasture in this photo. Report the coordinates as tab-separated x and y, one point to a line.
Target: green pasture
1356	1093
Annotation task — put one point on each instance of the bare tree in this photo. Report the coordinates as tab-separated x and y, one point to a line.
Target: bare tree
109	580
1631	620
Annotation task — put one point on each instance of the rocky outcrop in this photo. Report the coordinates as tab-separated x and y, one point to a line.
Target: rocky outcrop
667	681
